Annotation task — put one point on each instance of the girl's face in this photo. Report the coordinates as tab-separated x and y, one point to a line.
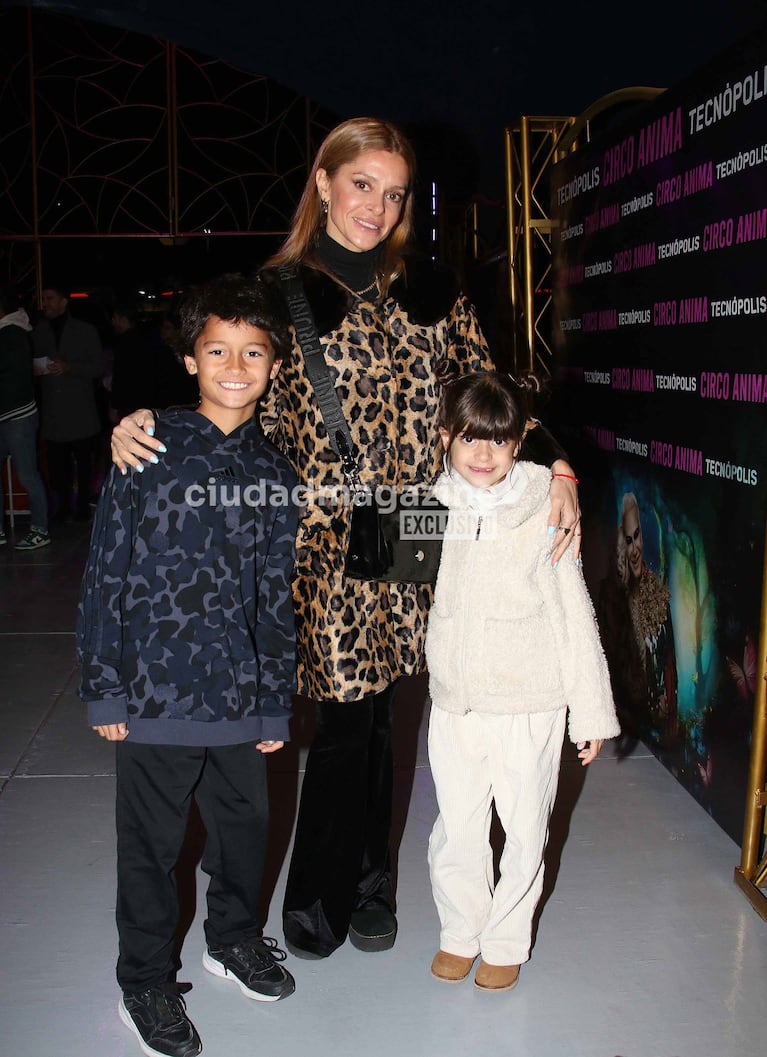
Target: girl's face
482	463
365	198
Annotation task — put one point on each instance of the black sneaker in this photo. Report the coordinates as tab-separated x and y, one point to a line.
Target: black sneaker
158	1019
252	965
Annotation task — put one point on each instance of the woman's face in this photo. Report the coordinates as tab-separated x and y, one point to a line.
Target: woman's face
632	532
365	198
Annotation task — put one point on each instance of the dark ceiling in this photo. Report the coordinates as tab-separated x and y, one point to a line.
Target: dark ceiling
459	71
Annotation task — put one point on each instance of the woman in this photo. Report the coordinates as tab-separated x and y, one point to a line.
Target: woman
391	325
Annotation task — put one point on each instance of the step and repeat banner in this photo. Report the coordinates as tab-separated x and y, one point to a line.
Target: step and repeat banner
660	337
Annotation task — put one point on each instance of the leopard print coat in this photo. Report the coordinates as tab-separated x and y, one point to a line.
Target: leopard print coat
356	637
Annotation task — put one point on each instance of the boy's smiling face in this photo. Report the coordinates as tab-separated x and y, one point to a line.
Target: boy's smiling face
234	363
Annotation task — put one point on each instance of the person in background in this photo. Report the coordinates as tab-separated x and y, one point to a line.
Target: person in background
68	360
174	386
391	323
512	646
19	420
134	364
195	699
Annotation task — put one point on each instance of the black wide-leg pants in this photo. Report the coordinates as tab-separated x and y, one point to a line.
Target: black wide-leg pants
155	786
340	861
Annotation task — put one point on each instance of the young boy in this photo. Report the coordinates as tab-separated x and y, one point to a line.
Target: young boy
186	638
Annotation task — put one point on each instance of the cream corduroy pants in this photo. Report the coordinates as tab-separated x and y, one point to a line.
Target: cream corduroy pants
475	759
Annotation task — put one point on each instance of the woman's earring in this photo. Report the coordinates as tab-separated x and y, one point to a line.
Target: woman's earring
325	206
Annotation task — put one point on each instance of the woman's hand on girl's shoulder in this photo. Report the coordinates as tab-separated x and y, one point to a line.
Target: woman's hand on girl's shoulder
565	516
133	440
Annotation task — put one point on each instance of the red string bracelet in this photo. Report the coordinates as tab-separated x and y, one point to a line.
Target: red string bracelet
569	477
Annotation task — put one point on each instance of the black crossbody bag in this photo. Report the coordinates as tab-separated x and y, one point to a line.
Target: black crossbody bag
394	536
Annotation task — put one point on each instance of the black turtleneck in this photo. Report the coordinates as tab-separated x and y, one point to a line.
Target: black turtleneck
355	270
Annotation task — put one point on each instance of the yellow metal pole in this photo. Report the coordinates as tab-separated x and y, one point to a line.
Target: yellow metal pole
755	795
527	241
511	222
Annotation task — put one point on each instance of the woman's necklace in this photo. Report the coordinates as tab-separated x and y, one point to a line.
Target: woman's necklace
371	289
356	271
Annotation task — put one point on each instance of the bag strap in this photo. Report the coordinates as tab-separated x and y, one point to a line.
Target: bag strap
318	372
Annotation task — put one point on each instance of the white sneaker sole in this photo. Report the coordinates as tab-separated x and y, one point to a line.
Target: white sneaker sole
217	969
127	1020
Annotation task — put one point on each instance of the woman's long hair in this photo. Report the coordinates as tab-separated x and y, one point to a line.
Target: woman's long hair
342	145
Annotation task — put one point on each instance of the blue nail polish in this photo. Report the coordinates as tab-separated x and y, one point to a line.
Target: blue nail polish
163	448
123	471
555	565
140	467
150	430
153	458
551	530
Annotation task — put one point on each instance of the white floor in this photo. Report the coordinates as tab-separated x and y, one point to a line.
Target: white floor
645	947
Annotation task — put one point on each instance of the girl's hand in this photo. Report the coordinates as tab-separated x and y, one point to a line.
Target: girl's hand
589	750
565	517
112	731
269	746
133	440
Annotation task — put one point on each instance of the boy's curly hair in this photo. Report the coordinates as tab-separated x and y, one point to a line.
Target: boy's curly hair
234	298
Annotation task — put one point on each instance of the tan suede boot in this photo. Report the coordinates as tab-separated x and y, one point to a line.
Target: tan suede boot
496	977
451	968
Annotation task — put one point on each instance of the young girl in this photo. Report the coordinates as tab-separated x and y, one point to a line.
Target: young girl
512	644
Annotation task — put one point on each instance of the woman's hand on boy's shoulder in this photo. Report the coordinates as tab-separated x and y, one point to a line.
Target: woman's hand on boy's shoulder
133	440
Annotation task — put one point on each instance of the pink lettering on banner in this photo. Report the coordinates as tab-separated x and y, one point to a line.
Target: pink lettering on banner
693	310
752	226
610	215
643	380
751	388
622	262
701	178
618	161
621	377
644	255
715	385
590	321
603	438
660	138
718	235
664	314
591	222
661	454
668	191
689	459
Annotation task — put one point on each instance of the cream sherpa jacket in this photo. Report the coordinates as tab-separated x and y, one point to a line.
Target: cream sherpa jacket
507	632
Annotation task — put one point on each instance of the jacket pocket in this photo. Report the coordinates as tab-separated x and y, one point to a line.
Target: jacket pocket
518	657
